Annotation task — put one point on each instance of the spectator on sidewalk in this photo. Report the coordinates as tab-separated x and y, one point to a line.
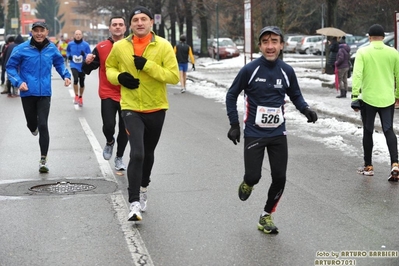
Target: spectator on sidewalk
265	82
110	95
342	64
142	63
76	53
62	45
333	50
183	52
374	73
7	53
3	65
29	69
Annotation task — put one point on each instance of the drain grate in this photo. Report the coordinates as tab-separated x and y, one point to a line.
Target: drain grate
62	187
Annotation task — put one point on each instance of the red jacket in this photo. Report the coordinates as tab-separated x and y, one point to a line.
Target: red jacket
105	88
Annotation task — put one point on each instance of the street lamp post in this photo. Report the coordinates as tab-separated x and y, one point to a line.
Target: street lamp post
55	19
59	26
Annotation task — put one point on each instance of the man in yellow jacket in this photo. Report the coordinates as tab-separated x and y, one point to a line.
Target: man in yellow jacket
375	77
142	63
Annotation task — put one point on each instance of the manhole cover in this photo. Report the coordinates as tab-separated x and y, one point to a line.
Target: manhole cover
62	187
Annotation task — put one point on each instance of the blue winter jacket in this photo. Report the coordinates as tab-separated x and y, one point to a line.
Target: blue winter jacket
265	84
29	64
77	51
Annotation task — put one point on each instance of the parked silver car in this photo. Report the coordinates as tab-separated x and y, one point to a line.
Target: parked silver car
291	42
307	44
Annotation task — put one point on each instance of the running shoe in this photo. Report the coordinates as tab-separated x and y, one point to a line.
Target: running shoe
183	90
135	213
76	100
394	176
143	199
366	170
107	152
43	168
244	191
80	101
119	165
34	133
266	225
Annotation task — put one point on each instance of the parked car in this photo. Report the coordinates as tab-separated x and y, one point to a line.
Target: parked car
355	46
388	40
197	47
320	47
307	44
290	43
239	41
227	48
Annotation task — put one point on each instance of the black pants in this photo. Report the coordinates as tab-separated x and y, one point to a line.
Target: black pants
386	114
78	77
144	131
109	109
277	151
37	110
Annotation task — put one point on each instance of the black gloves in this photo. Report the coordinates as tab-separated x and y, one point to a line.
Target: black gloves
139	62
193	69
310	115
128	81
82	53
70	58
356	104
234	133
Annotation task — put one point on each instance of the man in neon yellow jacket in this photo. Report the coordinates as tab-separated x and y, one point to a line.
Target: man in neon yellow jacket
142	63
373	91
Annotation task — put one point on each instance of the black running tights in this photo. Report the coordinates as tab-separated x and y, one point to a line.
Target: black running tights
277	151
37	110
144	131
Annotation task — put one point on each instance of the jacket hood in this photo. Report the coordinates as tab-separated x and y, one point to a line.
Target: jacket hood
345	46
19	39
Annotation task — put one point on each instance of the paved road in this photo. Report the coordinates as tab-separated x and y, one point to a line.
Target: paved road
194	215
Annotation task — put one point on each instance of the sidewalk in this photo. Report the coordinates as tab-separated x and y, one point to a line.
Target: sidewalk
318	89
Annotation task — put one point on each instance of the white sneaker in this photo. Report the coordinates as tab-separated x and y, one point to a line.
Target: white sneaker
119	165
43	168
107	152
135	213
143	199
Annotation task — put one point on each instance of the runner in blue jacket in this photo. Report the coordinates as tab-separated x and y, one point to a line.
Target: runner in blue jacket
29	69
76	54
265	82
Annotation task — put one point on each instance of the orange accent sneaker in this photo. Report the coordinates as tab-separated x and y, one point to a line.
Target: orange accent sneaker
80	102
76	100
366	170
394	176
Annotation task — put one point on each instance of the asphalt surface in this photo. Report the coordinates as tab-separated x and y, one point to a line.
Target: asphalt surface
194	216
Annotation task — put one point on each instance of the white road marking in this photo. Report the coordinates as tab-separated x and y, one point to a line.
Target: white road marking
133	238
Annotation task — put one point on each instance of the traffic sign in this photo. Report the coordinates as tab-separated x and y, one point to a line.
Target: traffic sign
158	19
14	23
26	8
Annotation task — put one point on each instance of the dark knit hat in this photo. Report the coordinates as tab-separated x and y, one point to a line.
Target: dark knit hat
140	10
376	30
273	29
11	39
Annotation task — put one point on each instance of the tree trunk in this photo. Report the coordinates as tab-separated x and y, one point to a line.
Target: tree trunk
203	17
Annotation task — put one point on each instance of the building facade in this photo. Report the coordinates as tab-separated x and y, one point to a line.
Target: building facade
93	26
